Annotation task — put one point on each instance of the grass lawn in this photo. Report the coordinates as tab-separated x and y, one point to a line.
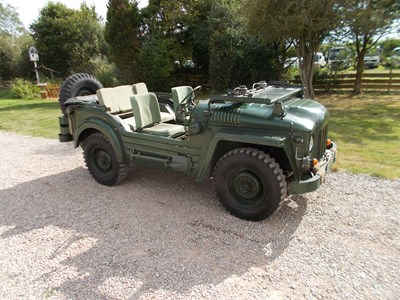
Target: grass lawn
30	117
366	128
367	131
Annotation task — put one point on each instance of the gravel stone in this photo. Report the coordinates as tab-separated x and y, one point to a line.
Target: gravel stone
164	236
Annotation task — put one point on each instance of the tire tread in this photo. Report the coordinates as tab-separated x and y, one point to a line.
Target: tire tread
270	163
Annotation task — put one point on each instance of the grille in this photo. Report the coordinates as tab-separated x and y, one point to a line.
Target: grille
229	116
320	142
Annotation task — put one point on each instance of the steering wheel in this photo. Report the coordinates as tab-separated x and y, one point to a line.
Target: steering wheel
187	104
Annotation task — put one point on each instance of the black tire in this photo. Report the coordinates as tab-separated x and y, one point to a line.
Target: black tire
101	161
79	84
249	183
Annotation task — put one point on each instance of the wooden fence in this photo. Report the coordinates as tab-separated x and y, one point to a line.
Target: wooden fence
388	82
6	83
52	90
192	80
382	82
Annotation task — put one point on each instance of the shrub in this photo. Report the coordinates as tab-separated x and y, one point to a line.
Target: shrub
157	63
325	78
23	89
104	71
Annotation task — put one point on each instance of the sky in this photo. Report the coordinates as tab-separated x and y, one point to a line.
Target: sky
28	10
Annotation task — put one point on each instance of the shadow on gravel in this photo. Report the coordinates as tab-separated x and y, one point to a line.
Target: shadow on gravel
156	232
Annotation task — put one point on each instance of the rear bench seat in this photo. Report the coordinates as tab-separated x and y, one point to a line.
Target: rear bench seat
108	98
117	99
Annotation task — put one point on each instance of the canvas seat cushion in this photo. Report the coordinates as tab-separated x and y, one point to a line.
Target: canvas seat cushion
180	93
147	116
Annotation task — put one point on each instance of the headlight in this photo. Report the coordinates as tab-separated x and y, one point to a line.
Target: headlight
311	144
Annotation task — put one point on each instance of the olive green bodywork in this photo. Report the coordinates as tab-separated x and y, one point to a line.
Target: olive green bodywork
277	121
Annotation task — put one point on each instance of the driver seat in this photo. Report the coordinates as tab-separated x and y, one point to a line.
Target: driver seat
180	93
148	117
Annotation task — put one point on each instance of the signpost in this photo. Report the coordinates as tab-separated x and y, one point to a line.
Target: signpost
34	56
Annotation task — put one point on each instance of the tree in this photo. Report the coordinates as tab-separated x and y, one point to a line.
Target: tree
66	38
166	39
10	24
211	33
122	34
306	23
13	38
367	21
236	58
88	35
388	45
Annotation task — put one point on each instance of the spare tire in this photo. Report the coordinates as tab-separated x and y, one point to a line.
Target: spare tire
79	84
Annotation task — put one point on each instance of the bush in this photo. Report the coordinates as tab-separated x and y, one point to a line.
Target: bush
290	74
324	77
23	89
157	64
104	71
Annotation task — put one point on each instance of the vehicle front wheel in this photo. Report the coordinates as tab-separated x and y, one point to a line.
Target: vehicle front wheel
101	161
249	183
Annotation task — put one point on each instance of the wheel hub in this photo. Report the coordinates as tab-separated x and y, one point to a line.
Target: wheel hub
103	160
247	185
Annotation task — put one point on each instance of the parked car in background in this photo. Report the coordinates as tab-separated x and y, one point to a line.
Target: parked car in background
395	58
319	60
371	60
339	58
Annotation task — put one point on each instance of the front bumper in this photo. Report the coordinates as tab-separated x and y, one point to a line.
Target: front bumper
371	64
318	174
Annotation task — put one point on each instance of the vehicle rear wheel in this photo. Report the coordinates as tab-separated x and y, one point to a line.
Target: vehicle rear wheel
249	183
79	84
101	161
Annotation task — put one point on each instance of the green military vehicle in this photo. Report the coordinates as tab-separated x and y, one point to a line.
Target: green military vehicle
258	144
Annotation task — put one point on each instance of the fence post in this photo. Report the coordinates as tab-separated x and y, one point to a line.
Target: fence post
390	77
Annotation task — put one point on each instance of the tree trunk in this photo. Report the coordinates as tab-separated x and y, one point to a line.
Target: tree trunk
360	71
361	49
306	68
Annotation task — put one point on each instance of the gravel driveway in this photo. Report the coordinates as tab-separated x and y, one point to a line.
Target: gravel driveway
164	236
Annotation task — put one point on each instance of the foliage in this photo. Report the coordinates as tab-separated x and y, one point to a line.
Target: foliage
5	93
104	71
13	38
199	35
388	59
306	23
326	78
367	21
166	40
235	57
186	24
387	46
156	63
122	35
10	24
67	38
14	61
89	40
23	89
8	59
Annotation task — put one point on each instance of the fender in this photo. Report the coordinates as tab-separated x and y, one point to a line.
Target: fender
103	127
226	135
